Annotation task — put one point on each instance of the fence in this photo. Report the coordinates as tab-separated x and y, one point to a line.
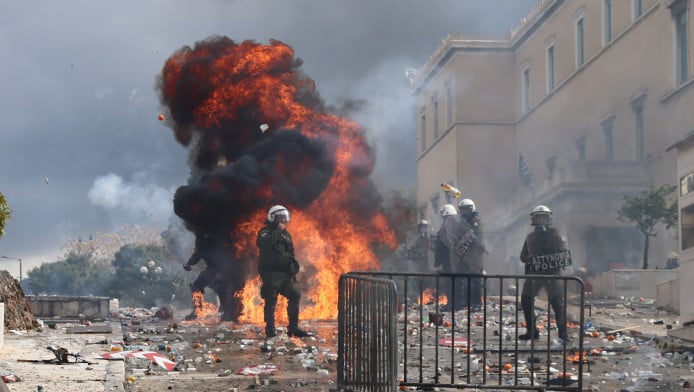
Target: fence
401	330
367	340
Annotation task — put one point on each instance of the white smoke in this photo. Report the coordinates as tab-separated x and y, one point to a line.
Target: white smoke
140	201
390	122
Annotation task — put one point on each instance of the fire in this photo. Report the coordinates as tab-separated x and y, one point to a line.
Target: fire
205	312
324	255
576	357
250	107
428	297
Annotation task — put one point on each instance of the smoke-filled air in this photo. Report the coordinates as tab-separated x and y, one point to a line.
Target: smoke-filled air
258	134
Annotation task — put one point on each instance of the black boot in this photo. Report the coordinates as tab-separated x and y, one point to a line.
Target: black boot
270	331
269	317
297	332
528	336
293	315
528	305
227	316
560	317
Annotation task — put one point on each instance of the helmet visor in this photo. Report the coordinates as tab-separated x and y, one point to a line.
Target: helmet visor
466	209
281	217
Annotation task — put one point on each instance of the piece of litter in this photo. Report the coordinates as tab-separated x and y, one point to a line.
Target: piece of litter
258	369
154	356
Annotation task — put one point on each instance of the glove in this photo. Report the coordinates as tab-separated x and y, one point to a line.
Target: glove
294	267
187	267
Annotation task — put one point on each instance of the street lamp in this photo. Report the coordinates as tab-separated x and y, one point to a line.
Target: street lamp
20	265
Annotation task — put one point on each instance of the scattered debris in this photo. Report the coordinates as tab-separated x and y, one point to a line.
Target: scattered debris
258	369
152	356
62	356
455	342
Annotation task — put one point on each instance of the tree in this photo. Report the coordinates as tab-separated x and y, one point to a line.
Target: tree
5	214
75	275
648	209
140	275
145	277
102	247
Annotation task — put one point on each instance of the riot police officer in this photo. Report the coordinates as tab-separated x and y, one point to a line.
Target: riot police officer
470	249
419	252
545	252
204	250
278	268
443	254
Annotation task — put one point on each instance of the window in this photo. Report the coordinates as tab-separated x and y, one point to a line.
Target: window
523	171
579	42
423	128
423	211
637	107
687	184
607	127
581	147
679	14
637	9
435	204
449	105
435	105
551	164
526	89
687	229
550	68
606	21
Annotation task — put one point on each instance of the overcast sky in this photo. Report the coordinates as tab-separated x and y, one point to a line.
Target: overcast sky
81	149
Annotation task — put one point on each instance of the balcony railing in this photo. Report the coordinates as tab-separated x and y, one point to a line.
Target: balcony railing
462	40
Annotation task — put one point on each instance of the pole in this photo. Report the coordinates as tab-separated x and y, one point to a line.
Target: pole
20	266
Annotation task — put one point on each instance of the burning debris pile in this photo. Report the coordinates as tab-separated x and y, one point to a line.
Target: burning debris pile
18	313
259	135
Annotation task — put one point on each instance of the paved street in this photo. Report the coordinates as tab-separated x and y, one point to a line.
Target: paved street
227	357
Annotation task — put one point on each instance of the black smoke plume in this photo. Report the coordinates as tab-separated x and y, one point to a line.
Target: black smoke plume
258	135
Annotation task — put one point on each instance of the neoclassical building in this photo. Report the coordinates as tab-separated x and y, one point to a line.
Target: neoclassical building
576	106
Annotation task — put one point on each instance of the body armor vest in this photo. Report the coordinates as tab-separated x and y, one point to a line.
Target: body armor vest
547	251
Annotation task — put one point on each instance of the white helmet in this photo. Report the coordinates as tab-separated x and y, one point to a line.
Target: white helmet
276	211
448	210
538	214
467	203
423	222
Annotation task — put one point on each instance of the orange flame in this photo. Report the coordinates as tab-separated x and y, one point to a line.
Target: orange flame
576	357
428	297
333	234
324	254
205	312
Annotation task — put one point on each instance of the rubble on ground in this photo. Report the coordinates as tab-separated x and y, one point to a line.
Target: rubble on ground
626	348
231	354
18	313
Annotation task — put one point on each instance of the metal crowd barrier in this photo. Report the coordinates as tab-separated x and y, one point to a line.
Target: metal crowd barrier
397	331
367	342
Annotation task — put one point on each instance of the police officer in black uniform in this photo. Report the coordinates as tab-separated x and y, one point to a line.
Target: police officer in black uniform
444	256
278	268
545	252
204	250
470	249
419	252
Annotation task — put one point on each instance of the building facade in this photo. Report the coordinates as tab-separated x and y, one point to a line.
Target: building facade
575	107
685	176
